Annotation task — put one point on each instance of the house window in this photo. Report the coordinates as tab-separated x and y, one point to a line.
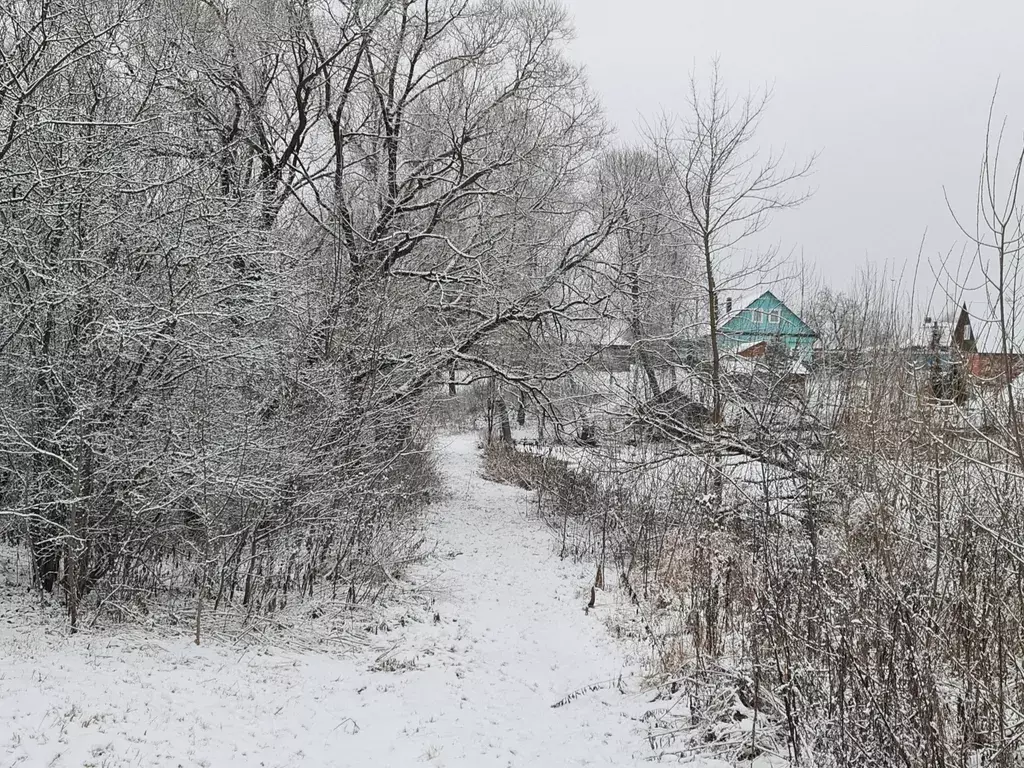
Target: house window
756	316
775	317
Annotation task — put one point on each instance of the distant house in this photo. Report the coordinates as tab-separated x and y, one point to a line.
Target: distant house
978	338
611	345
761	321
952	332
968	338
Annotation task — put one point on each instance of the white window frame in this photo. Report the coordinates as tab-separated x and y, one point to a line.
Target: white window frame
775	316
757	316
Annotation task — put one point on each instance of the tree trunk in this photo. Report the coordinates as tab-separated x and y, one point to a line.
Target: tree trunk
506	425
716	363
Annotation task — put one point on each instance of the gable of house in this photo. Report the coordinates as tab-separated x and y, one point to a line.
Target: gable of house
765	318
964	338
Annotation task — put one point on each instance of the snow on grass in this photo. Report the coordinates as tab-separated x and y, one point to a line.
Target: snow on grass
468	678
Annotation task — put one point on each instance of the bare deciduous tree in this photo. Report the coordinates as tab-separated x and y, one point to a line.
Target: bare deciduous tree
729	188
242	244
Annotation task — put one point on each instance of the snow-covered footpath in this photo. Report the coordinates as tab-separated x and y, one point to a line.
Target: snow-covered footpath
474	688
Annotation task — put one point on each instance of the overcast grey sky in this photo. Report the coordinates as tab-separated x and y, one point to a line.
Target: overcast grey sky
893	93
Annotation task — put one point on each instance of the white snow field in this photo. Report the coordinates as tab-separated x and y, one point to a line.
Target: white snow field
474	689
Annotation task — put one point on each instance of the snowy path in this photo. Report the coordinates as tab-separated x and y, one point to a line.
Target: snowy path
474	689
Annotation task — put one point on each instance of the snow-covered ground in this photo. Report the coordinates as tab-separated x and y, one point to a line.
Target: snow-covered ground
470	680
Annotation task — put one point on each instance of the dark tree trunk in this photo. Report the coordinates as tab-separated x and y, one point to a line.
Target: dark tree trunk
506	425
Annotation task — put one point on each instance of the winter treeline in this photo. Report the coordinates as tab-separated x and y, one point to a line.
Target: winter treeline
242	245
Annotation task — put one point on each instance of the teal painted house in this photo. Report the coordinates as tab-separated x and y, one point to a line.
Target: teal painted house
763	318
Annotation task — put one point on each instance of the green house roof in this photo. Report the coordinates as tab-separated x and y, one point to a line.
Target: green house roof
765	318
